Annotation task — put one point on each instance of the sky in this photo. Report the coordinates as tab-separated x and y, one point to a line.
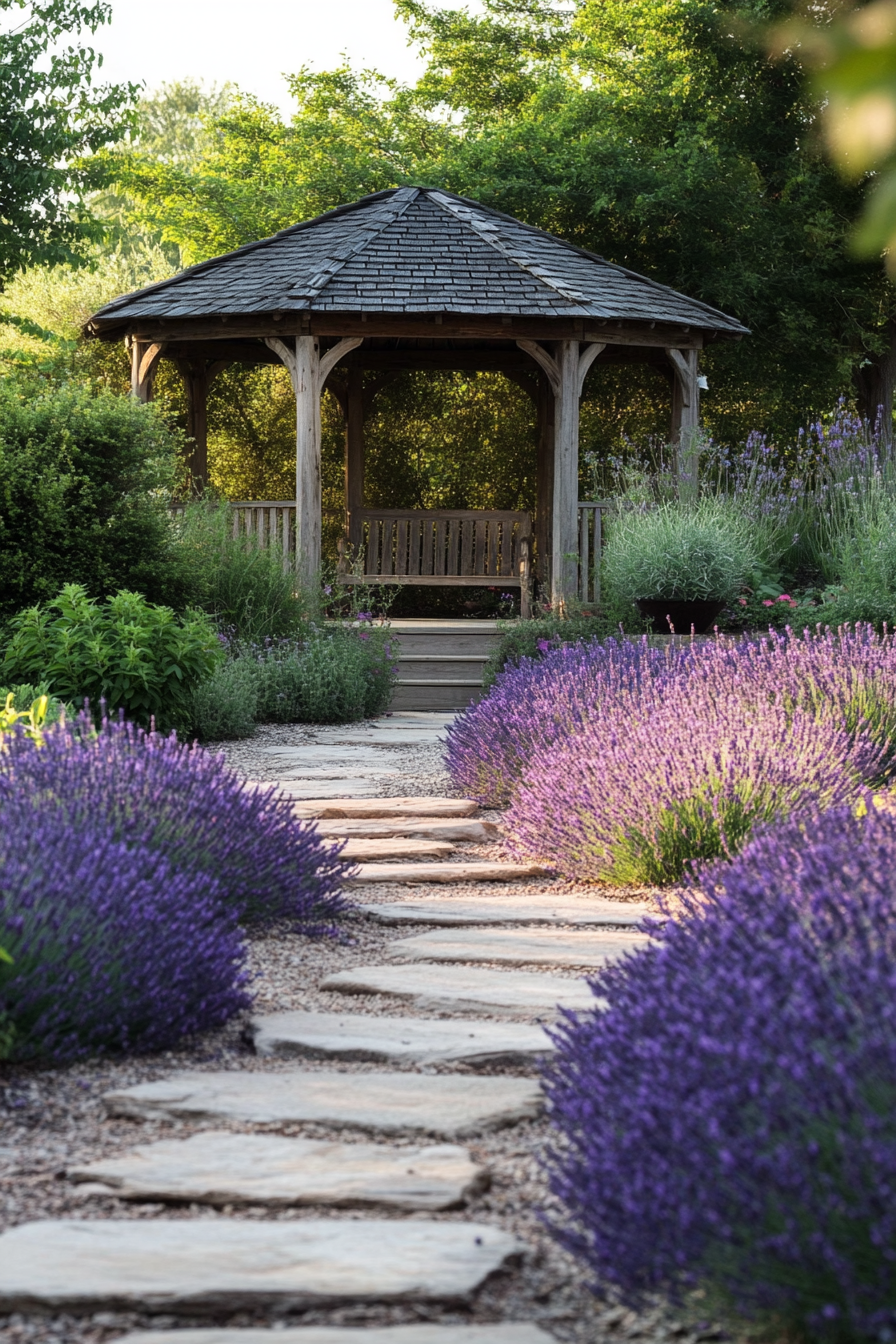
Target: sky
251	42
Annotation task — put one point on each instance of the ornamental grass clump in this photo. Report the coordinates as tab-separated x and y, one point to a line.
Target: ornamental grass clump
148	791
541	701
111	945
729	1122
642	792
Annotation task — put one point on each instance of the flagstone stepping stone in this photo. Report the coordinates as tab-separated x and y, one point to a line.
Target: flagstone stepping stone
480	832
469	989
443	872
450	1106
394	1040
507	1332
347	806
319	789
535	908
397	848
222	1168
217	1265
517	947
340	771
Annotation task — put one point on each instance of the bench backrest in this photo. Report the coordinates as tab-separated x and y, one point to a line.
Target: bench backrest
454	543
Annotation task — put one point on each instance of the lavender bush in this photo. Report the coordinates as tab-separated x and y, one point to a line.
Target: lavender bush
111	945
686	774
147	791
541	701
730	1120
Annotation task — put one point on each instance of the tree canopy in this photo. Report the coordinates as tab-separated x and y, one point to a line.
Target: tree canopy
51	115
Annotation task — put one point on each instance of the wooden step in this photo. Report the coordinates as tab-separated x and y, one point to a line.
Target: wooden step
441	667
435	695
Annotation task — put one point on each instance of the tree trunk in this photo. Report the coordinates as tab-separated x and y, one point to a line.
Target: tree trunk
875	382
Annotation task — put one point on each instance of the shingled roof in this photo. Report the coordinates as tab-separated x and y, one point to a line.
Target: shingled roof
414	250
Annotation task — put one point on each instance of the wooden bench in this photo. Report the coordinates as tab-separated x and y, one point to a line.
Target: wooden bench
463	548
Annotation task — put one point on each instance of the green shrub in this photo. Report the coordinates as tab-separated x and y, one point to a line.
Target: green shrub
678	552
336	674
138	657
84	482
226	705
243	585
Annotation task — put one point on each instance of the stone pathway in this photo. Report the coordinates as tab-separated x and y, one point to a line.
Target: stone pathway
430	1078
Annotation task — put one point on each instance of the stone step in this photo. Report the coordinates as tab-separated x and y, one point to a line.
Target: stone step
538	908
518	947
216	1167
449	1106
397	1040
396	848
507	1332
467	989
345	807
369	739
320	791
477	832
211	1266
443	872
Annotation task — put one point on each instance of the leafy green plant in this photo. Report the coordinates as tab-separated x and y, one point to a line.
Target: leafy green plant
338	674
867	564
245	586
678	552
138	657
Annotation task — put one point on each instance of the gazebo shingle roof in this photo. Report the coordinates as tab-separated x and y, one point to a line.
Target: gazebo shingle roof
414	250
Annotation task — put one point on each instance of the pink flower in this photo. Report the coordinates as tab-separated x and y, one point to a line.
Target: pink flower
785	597
767	602
742	601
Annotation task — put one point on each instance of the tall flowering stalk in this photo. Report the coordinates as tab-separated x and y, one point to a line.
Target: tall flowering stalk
730	1120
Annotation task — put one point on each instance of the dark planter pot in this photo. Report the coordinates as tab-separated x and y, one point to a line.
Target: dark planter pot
685	616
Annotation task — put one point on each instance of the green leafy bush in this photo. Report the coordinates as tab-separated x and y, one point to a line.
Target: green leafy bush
84	484
678	552
868	570
138	657
243	585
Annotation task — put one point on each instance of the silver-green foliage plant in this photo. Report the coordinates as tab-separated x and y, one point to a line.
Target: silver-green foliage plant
867	564
678	552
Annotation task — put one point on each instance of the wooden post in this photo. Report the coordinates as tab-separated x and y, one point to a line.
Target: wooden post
308	370
565	371
685	416
544	482
354	458
145	356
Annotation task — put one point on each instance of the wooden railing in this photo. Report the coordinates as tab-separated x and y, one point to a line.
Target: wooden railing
451	547
591	536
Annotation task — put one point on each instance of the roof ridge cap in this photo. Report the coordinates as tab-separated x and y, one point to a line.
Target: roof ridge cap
591	256
199	267
449	202
399	200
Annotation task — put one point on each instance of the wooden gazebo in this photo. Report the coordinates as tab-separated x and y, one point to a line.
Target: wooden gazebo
419	278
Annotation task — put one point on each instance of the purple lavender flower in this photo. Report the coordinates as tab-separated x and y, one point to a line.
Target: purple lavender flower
113	946
730	1119
146	790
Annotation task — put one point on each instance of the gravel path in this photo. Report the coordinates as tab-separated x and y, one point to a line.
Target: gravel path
53	1119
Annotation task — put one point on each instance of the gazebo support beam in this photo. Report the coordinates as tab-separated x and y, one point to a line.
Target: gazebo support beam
145	356
685	411
354	457
198	375
308	371
565	370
